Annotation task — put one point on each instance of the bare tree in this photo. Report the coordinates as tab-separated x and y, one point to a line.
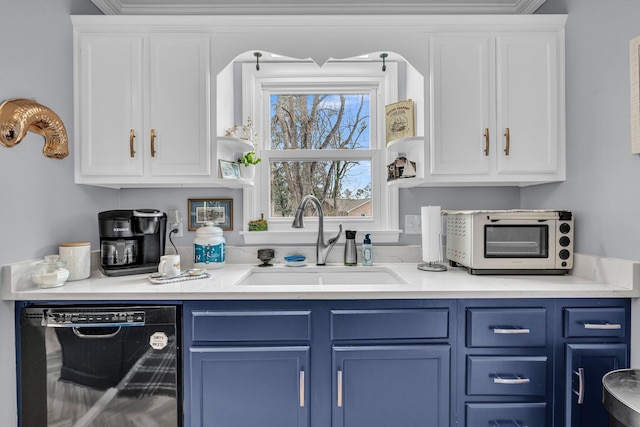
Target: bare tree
315	122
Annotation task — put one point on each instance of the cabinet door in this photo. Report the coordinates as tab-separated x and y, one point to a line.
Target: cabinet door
252	386
462	111
109	112
527	103
179	105
382	386
586	364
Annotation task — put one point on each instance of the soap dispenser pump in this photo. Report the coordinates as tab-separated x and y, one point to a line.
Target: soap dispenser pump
350	255
367	251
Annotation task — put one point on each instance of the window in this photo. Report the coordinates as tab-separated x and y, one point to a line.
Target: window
320	132
303	124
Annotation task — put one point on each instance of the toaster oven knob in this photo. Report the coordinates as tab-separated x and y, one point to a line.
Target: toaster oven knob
564	241
565	228
564	254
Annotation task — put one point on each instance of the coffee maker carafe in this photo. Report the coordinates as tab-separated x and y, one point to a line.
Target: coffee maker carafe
131	241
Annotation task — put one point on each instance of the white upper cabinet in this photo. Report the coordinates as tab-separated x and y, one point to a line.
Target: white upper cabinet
152	103
462	108
142	109
109	120
497	112
527	122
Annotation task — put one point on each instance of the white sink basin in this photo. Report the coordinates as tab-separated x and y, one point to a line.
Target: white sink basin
305	276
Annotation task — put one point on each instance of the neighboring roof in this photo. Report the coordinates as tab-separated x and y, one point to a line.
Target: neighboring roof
348	205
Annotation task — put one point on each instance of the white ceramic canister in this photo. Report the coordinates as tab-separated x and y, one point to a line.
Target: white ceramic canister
77	255
209	247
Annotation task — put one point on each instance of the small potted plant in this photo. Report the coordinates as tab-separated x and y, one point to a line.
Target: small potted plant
249	159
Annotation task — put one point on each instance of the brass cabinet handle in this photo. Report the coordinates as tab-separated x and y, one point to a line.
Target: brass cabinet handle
486	141
339	389
301	393
153	142
132	135
580	392
508	141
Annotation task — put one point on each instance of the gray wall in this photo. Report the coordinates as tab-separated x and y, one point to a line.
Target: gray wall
601	173
41	206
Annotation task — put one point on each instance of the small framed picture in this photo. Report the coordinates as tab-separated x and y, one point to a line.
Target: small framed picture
229	170
217	211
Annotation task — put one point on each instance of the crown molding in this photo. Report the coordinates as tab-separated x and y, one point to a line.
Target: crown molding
314	7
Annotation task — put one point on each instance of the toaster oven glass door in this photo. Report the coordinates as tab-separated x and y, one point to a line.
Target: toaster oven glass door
516	241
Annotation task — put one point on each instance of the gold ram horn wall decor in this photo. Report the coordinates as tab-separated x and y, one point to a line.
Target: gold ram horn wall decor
19	115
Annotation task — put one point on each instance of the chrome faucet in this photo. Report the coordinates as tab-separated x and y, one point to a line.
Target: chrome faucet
322	248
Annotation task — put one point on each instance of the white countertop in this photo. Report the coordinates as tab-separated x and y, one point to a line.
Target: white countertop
592	277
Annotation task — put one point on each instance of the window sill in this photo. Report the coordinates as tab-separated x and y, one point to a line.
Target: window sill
309	236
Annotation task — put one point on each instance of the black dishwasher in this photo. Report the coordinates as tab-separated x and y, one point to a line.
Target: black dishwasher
100	366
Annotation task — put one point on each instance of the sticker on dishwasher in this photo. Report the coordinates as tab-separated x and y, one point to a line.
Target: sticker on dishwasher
158	340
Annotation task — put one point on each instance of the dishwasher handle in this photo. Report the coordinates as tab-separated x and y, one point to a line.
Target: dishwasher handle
77	332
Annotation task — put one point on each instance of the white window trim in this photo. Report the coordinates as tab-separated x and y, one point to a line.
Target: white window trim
383	225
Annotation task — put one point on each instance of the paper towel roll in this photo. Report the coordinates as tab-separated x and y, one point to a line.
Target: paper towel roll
431	229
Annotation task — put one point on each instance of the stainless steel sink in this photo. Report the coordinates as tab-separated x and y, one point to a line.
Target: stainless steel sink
305	276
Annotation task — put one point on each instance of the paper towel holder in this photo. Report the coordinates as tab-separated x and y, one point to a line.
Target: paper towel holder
431	239
432	266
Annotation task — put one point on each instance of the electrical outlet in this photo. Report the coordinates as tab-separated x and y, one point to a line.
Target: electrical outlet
175	222
412	224
175	225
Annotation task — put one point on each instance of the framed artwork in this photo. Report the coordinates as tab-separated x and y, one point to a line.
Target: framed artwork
217	211
634	62
229	170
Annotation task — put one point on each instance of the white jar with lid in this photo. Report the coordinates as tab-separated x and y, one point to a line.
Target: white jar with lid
77	255
209	247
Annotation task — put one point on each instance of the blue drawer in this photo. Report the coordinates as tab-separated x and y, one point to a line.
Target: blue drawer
506	327
511	376
389	324
506	414
594	322
258	325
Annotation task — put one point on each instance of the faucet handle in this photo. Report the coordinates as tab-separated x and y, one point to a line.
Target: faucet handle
334	240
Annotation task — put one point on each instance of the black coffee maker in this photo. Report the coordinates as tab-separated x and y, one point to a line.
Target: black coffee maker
131	241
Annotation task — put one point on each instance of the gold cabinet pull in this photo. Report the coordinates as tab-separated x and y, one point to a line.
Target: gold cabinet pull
302	389
339	389
508	142
486	141
153	142
132	135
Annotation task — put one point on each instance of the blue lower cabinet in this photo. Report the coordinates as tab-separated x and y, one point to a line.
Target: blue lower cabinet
512	376
586	364
506	414
249	386
396	385
401	363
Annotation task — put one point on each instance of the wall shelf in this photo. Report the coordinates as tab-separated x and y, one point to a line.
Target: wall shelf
232	143
403	145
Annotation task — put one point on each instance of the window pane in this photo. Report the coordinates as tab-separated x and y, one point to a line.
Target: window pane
320	121
343	187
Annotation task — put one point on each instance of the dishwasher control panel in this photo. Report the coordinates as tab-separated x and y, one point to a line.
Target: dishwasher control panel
88	318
